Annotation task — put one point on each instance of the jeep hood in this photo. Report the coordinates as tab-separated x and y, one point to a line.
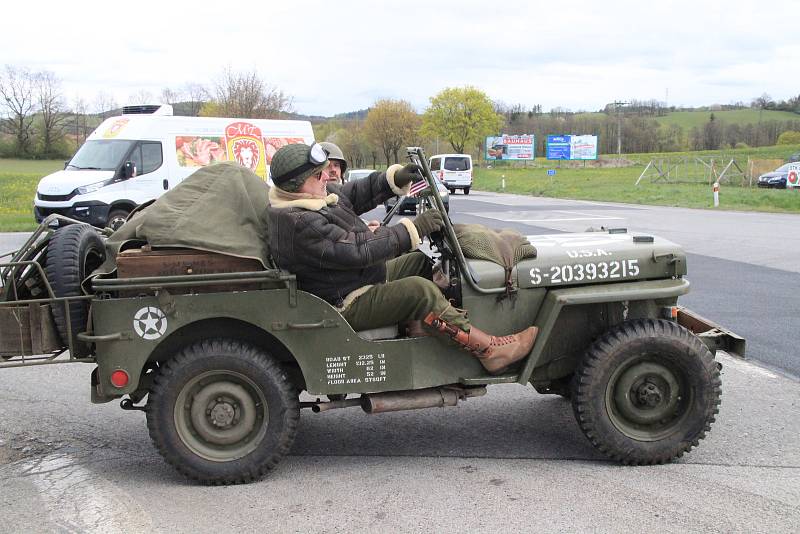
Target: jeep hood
589	258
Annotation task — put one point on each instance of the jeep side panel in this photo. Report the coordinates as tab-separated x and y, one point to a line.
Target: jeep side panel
130	332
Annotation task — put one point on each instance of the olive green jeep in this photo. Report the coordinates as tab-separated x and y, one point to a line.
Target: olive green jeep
223	362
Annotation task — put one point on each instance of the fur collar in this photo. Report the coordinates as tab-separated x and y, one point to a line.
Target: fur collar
278	198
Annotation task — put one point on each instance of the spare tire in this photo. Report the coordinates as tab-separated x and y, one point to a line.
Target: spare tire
73	252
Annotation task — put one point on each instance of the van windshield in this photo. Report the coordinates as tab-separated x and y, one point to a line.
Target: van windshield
104	155
456	164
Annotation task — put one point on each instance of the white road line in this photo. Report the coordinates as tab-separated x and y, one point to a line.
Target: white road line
573	219
499	218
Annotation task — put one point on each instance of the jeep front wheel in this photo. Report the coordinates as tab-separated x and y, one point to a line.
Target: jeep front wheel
646	392
222	412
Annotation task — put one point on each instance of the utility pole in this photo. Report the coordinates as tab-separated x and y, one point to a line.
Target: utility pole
617	105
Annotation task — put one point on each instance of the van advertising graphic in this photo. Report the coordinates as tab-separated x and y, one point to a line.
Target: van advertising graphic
274	143
510	147
242	145
115	128
199	151
245	146
572	147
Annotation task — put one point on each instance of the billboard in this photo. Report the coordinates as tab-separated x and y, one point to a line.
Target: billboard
793	177
510	147
572	147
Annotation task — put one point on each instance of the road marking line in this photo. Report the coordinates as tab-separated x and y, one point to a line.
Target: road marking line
498	218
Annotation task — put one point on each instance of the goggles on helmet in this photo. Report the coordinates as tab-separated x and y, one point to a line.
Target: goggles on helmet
316	156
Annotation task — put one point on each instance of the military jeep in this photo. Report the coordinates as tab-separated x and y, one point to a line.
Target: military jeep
220	360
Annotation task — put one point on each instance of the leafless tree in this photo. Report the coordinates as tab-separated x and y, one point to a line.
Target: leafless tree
80	127
170	96
17	91
245	94
141	97
52	111
196	95
104	105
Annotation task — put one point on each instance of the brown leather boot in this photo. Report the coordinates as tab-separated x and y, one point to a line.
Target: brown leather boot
496	353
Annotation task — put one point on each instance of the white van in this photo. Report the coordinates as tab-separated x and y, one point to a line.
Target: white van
454	170
136	157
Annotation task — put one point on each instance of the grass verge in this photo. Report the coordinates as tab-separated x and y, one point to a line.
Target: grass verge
618	185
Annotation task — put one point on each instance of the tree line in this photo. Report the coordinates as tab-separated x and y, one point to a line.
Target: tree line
37	121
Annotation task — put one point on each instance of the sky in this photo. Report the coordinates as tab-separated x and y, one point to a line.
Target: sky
339	56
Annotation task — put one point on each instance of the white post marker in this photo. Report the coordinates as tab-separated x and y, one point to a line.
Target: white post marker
503	183
716	194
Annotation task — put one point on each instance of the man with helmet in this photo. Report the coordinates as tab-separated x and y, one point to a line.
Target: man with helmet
337	164
316	233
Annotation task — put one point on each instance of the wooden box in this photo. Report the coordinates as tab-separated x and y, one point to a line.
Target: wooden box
145	262
28	329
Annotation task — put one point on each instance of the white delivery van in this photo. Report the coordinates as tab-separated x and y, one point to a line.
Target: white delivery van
136	157
454	170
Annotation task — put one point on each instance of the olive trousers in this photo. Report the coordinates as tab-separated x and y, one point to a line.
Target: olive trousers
408	294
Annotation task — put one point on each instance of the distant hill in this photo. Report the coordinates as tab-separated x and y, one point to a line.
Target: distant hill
690	119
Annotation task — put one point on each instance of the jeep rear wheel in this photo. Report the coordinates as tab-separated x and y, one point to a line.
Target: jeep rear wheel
646	392
222	412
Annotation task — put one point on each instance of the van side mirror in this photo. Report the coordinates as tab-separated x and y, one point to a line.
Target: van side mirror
66	162
128	170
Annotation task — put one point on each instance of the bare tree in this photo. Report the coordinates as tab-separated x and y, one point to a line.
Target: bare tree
141	97
104	105
79	121
17	91
52	111
169	96
196	95
245	94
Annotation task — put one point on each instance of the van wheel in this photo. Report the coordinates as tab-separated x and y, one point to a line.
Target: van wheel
646	392
73	252
466	190
117	218
222	412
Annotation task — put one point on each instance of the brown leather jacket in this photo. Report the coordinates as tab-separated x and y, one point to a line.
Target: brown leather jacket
324	242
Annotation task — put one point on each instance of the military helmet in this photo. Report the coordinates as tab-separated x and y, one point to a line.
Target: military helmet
297	161
334	152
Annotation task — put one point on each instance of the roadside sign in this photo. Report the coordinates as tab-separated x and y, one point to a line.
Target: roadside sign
551	172
793	179
510	147
572	147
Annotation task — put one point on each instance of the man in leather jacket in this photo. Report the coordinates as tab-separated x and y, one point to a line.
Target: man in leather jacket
316	233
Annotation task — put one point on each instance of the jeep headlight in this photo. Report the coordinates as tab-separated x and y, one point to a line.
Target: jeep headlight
84	189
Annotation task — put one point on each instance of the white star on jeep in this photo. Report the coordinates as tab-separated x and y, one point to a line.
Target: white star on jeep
150	322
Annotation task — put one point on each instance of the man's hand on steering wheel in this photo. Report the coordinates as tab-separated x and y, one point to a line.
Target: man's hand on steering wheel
428	222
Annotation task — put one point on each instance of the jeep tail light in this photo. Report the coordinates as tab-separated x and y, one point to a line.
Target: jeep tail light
119	378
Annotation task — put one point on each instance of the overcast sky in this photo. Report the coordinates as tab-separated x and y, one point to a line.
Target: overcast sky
339	56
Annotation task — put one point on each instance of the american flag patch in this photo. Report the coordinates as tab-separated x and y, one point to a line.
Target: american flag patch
416	187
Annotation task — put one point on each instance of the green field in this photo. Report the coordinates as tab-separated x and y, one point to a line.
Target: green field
618	185
690	119
18	180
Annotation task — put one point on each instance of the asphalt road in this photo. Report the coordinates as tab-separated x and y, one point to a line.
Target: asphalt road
510	461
